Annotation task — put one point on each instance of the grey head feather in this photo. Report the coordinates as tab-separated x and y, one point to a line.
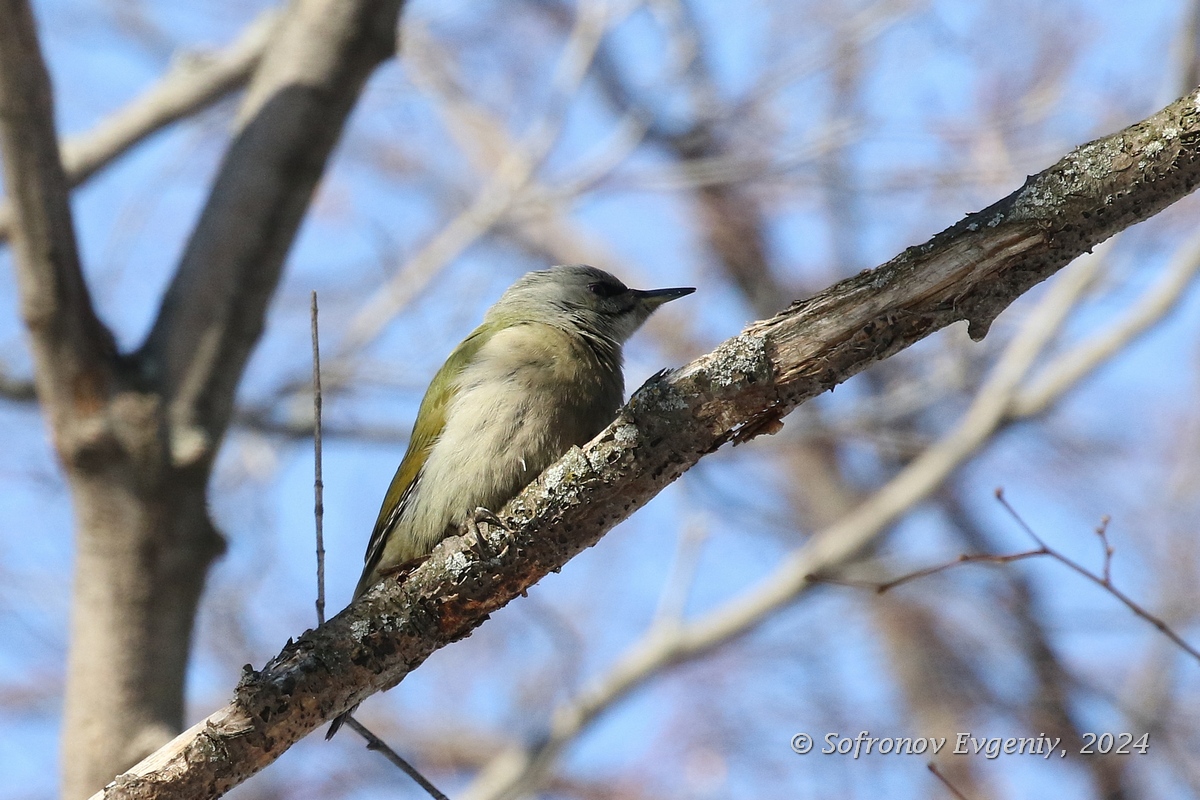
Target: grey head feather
582	300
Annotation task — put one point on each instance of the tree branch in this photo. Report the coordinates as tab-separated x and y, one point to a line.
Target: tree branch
740	390
1000	400
74	354
519	770
295	108
17	389
194	82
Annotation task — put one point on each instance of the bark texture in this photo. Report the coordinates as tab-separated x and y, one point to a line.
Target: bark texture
742	389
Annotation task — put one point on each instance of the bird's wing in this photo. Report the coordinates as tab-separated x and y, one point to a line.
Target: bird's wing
431	418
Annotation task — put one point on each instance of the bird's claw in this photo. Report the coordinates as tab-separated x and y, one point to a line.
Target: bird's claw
482	514
481	546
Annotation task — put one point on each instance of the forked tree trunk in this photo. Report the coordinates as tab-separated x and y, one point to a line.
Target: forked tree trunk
137	434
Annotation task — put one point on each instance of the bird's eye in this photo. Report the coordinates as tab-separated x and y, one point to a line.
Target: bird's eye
605	289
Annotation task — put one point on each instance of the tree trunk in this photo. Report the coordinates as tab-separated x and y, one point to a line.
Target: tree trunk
144	544
137	434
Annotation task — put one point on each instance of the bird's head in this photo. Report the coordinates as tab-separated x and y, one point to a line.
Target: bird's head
582	299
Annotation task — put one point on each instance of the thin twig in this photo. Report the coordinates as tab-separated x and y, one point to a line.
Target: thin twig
318	483
1102	532
976	558
950	787
375	743
1103	581
925	572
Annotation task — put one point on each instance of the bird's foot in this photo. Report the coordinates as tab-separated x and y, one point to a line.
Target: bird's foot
481	547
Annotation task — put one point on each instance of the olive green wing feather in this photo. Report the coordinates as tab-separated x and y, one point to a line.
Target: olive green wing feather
431	418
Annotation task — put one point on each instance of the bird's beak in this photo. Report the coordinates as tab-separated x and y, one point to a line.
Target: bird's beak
656	297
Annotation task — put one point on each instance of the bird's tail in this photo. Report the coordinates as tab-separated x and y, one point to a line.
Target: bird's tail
338	721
